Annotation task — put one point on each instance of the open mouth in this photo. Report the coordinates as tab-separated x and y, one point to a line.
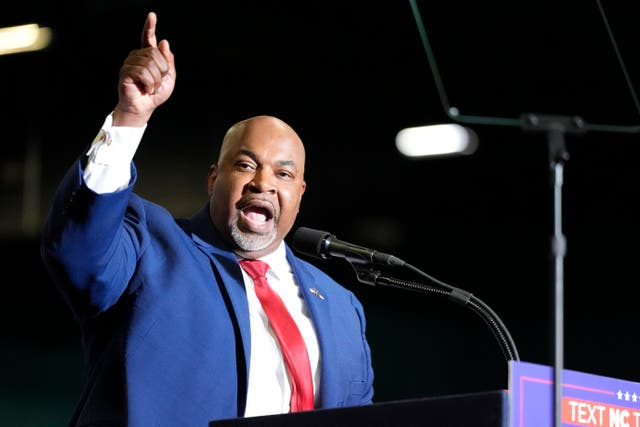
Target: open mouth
257	214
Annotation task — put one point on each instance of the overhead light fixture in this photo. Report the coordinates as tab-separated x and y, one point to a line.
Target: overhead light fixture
436	140
24	38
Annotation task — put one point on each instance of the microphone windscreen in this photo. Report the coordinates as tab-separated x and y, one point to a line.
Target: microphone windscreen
309	241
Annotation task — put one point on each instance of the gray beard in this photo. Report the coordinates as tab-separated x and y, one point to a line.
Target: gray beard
251	242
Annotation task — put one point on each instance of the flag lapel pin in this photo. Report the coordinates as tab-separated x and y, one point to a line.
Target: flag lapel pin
315	292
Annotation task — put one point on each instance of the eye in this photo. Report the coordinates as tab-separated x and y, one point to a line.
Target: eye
285	174
244	165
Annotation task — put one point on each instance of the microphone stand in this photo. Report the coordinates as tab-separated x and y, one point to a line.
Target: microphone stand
556	127
369	276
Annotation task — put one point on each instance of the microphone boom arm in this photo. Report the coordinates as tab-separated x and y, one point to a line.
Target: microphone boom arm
373	277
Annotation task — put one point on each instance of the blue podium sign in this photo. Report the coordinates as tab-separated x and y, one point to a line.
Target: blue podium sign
587	399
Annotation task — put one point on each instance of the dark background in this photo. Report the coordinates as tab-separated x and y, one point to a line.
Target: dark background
348	76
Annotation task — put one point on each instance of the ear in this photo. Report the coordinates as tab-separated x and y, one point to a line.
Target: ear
211	177
303	188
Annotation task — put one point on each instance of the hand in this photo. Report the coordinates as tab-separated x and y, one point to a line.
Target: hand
147	78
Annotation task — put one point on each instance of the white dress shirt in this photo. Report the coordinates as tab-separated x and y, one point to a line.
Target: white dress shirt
269	387
108	170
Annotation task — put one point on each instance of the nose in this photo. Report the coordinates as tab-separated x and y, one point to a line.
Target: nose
263	181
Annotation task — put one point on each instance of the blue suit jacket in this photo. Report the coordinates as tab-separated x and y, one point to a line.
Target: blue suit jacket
163	313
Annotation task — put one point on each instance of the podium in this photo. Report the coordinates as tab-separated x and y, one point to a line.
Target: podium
587	400
483	409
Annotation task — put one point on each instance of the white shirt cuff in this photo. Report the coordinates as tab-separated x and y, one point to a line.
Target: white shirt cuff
108	167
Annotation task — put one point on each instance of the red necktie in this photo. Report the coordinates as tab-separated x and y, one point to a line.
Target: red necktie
289	337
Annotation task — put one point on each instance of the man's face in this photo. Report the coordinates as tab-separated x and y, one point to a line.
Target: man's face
256	187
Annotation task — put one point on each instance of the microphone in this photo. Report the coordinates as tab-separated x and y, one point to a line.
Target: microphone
322	244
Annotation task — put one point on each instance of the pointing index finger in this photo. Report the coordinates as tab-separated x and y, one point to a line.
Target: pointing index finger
149	31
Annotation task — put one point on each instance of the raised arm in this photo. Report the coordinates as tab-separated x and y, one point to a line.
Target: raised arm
147	78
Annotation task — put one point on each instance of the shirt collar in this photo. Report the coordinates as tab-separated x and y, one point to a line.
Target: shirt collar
277	261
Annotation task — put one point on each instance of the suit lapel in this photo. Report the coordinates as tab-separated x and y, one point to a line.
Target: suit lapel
319	305
227	272
318	302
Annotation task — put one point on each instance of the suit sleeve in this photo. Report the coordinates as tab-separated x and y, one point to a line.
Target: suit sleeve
91	242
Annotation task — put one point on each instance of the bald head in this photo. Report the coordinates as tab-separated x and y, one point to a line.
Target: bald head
257	184
262	125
